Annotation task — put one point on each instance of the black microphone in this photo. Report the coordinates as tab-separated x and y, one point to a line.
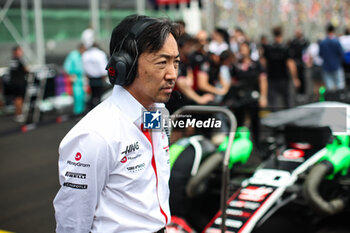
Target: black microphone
176	95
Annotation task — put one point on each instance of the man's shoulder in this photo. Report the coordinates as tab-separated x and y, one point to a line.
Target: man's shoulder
275	47
327	40
275	51
103	120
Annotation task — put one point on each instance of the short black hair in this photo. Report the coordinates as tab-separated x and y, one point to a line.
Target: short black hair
347	31
247	44
239	29
181	22
224	34
151	39
277	31
184	39
226	55
330	28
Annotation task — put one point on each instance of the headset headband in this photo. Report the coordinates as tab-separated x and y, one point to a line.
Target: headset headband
140	26
135	32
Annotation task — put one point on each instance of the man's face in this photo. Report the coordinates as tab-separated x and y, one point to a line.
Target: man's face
157	72
244	49
19	52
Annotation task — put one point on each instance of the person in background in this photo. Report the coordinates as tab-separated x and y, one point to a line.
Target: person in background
73	65
280	66
185	81
199	58
345	43
94	64
182	27
263	43
18	72
227	59
219	42
297	48
251	81
186	85
202	37
209	78
314	62
332	54
88	36
237	37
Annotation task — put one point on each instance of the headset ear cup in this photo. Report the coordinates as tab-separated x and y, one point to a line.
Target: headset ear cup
112	74
119	67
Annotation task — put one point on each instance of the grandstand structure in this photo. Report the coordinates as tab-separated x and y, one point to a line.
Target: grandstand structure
48	29
51	28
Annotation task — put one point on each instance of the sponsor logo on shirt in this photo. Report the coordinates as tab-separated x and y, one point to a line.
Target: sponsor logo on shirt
78	164
78	156
131	148
75	186
75	175
136	168
126	158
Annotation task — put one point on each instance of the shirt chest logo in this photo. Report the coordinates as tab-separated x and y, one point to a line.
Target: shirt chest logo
130	149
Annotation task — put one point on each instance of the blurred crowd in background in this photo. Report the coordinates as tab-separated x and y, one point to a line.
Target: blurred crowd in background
225	67
218	68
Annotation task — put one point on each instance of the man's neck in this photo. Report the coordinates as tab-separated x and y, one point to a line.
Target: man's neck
135	94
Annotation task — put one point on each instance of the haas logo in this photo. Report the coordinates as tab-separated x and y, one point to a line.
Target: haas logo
124	159
252	193
131	148
78	156
111	71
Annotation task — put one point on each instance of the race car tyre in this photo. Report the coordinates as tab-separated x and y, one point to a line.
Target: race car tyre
312	195
196	184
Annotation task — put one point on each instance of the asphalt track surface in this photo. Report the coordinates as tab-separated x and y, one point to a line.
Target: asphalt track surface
29	175
29	183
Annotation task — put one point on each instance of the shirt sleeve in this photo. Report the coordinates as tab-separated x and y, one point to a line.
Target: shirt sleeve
225	73
84	167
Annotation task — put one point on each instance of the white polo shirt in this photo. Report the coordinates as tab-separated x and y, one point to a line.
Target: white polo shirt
113	179
94	62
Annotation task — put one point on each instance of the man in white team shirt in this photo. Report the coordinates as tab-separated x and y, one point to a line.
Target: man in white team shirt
113	172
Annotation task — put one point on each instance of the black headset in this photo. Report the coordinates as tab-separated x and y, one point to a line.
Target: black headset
121	64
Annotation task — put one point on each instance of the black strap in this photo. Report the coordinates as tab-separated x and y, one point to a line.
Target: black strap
140	26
